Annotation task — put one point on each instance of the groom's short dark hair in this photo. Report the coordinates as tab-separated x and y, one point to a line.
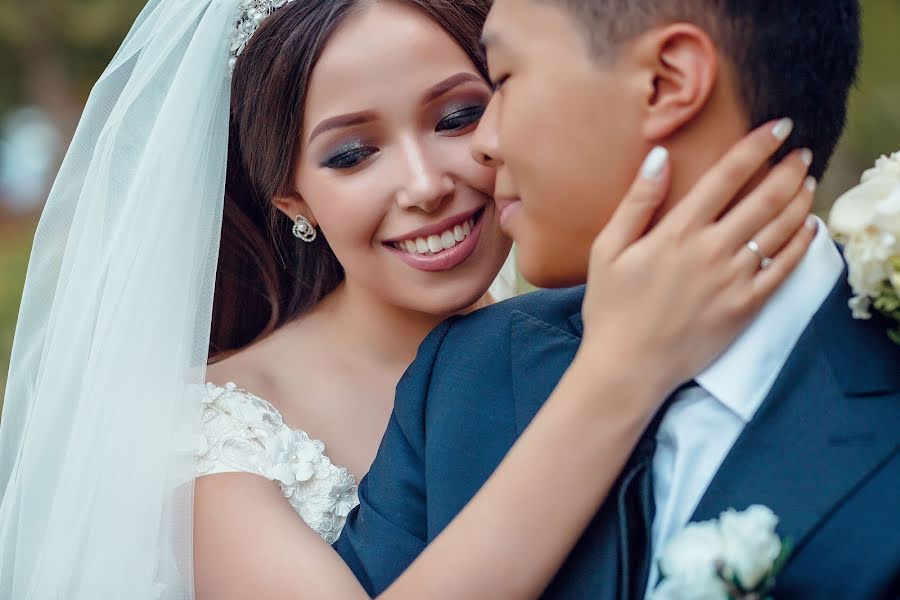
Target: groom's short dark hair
795	58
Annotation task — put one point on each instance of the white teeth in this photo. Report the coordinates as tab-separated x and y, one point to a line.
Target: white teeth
437	243
447	240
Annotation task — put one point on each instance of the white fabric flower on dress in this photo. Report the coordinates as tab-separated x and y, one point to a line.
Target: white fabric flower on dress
246	434
343	495
292	457
200	446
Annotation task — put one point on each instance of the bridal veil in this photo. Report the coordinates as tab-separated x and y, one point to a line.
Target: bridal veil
96	441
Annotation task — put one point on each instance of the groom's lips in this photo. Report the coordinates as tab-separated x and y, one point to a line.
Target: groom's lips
506	208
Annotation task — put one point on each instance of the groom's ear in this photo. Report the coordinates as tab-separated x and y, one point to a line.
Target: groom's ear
680	65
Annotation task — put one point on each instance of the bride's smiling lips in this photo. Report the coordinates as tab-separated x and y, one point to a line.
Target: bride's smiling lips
442	246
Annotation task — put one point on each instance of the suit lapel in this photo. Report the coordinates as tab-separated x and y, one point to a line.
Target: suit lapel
824	426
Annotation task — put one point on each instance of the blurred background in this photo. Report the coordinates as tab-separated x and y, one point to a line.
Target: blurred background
52	51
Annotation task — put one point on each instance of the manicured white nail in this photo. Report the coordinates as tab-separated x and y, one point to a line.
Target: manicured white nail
811	184
783	129
812	223
806	156
655	163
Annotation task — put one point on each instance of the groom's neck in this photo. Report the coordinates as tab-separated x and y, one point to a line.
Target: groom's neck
698	146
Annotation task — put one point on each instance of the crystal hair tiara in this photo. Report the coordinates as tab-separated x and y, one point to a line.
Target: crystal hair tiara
252	14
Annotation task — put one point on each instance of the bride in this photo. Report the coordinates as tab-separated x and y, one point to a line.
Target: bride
352	219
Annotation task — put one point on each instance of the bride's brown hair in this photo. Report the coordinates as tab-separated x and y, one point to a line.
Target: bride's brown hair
265	276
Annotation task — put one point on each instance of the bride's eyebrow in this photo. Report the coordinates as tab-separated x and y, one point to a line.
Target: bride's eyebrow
341	121
452	82
363	117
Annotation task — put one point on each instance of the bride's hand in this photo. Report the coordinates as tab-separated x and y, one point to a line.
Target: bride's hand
670	300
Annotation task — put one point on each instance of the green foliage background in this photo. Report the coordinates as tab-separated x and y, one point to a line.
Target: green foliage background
51	52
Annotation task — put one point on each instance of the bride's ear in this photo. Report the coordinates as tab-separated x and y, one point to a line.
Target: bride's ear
681	65
293	205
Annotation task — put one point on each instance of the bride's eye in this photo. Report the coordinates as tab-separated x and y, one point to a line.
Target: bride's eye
349	156
460	119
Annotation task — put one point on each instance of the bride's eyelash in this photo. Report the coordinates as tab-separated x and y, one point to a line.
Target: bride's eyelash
460	119
349	156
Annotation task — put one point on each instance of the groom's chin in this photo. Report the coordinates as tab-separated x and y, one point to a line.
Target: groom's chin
551	268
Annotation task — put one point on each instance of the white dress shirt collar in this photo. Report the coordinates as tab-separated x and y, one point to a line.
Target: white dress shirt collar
742	377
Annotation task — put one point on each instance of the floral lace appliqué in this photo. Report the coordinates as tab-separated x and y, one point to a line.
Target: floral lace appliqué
245	434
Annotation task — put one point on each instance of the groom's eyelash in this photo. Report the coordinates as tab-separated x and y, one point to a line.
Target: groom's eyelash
498	83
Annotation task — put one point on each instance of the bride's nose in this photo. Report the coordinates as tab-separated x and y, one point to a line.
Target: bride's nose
427	185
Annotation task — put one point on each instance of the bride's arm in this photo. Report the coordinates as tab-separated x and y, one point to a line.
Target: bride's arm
249	541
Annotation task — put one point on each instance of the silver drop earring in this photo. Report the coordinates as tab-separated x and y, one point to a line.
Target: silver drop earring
304	230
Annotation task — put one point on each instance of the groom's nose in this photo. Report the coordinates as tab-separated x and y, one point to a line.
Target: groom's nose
486	140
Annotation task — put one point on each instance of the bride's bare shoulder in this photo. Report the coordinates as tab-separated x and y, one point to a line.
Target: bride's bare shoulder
265	368
257	368
246	369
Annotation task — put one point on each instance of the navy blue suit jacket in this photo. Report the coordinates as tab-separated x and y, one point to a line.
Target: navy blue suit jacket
821	452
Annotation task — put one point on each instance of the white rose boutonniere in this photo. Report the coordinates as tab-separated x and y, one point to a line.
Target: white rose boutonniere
867	221
735	557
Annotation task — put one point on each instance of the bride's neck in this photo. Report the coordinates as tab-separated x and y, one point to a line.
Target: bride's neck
369	327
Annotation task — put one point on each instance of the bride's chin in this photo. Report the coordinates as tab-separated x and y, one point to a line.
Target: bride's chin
448	305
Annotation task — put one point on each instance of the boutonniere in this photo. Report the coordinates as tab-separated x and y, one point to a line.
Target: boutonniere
867	221
734	557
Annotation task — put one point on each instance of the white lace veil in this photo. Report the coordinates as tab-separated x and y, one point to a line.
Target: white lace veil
114	324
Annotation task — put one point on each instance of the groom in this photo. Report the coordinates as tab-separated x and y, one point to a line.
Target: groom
801	414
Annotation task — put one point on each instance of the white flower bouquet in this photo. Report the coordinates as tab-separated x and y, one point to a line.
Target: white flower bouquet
735	557
867	221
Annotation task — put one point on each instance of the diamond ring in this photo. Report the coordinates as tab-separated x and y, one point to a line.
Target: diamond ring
764	261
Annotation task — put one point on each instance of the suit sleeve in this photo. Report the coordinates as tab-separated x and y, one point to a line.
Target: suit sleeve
388	530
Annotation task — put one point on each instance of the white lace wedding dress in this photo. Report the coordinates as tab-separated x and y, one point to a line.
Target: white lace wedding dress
243	433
